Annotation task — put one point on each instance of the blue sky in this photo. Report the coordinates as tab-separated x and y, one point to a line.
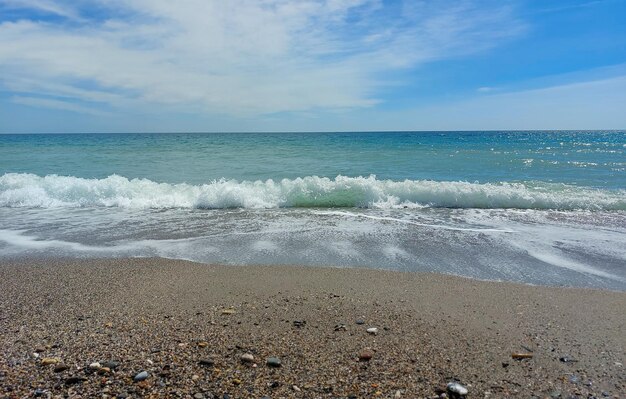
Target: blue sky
327	65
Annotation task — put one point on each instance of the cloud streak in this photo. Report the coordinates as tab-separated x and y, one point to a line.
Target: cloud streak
237	57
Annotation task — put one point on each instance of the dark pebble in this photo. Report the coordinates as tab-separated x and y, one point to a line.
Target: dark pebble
366	355
75	380
39	392
273	362
60	368
206	362
111	364
360	321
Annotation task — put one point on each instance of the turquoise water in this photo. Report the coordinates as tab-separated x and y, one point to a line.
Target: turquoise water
532	207
595	159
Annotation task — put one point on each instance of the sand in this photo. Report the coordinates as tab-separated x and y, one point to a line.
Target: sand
165	317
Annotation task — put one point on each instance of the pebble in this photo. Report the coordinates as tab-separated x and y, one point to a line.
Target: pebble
456	390
198	396
111	365
60	368
247	358
95	365
141	376
372	330
521	355
273	362
365	355
228	311
567	359
299	323
39	392
40	349
207	362
360	321
74	380
203	344
46	361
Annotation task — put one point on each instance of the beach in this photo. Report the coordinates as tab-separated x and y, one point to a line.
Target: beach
189	324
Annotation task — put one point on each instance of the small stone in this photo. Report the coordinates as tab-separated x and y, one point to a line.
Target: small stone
360	321
104	370
296	388
141	376
398	394
46	361
456	390
206	362
366	355
567	359
521	355
95	365
111	365
39	392
273	362
60	368
75	380
228	311
372	330
203	344
236	381
299	323
247	358
195	377
198	396
108	325
40	349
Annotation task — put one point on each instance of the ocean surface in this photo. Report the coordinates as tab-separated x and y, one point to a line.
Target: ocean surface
534	207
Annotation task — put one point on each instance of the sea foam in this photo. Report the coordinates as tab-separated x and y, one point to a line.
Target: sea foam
52	191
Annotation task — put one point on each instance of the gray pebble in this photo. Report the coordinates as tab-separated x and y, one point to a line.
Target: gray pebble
141	376
273	362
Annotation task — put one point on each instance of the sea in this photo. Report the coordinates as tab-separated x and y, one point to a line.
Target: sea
545	208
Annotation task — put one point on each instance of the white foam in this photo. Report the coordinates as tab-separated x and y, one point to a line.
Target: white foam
403	221
28	190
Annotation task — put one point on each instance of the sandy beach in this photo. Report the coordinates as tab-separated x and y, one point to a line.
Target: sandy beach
188	325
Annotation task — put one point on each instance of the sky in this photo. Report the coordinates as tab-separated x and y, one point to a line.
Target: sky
311	65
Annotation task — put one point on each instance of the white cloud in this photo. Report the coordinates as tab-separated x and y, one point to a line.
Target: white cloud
55	104
44	6
237	57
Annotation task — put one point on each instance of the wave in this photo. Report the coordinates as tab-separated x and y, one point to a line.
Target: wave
53	191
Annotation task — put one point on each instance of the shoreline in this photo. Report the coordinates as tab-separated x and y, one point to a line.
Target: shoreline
157	314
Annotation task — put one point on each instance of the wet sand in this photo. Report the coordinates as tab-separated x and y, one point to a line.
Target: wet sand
187	325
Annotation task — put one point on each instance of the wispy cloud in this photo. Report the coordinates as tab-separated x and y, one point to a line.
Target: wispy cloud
56	104
43	6
237	57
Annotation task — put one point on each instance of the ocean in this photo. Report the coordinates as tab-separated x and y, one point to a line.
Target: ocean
543	208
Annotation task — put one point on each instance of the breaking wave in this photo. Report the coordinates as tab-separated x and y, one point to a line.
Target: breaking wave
29	190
